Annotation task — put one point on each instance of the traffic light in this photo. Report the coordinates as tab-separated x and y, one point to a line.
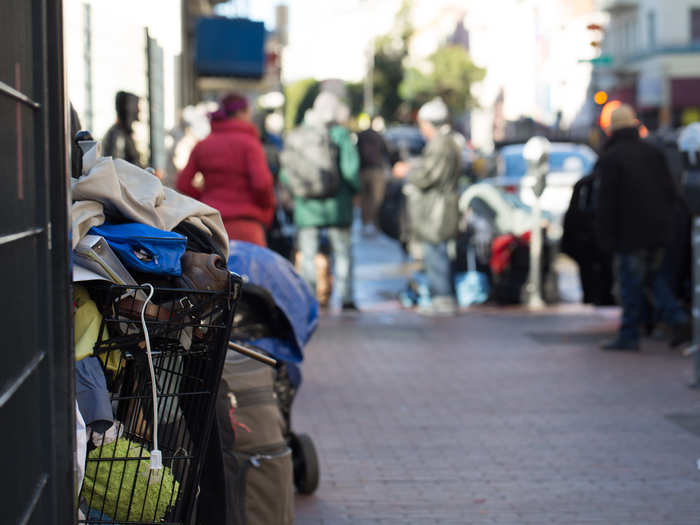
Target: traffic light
600	97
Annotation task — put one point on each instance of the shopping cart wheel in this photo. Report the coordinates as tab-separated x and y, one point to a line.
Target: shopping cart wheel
306	472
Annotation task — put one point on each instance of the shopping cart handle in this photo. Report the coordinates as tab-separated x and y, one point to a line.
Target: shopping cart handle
249	352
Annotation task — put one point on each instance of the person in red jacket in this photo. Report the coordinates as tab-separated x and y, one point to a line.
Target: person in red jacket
237	181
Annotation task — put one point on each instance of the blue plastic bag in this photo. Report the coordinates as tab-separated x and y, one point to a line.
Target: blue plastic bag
471	288
144	248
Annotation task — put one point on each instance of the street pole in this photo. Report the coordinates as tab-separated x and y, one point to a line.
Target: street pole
536	154
368	92
535	300
689	146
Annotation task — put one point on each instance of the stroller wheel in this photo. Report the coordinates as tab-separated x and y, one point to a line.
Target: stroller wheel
306	474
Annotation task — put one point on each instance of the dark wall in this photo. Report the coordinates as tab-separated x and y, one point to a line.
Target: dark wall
36	392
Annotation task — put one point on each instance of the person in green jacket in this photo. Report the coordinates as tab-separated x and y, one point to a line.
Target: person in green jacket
334	214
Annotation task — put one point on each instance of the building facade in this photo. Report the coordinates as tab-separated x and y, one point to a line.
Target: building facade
534	53
654	52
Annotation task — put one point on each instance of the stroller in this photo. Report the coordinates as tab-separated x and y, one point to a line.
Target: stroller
277	315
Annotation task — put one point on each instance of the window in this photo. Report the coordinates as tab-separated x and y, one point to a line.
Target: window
695	25
651	28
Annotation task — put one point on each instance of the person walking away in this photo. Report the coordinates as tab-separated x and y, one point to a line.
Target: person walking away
320	166
580	242
373	159
119	141
237	181
431	193
635	221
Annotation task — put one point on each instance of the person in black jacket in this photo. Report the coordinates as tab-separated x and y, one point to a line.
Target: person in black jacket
373	160
119	139
636	203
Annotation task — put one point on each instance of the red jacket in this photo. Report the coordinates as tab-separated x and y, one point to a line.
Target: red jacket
237	181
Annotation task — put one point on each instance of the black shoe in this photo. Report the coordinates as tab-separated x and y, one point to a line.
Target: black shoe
681	334
350	307
619	345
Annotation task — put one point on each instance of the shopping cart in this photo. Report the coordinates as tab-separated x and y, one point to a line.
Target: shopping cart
176	361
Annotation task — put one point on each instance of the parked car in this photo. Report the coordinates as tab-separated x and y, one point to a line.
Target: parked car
404	142
502	212
568	162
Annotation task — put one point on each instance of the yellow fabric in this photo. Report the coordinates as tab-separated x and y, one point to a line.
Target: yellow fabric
86	323
86	327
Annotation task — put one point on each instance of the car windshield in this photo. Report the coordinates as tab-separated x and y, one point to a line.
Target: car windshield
406	137
563	160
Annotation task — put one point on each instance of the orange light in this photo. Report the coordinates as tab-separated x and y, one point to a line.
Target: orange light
606	113
600	98
643	131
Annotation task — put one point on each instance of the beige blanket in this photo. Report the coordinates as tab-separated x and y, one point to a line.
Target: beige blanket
115	188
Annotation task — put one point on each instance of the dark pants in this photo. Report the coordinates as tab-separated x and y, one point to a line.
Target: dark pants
596	272
639	273
373	185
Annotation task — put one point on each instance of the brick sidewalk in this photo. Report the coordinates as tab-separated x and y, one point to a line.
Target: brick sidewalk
497	416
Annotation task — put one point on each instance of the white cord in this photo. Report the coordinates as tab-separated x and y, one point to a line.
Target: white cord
156	456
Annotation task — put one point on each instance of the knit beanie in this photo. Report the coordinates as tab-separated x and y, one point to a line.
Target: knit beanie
435	111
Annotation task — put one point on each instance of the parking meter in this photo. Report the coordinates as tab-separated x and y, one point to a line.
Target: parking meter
689	146
536	154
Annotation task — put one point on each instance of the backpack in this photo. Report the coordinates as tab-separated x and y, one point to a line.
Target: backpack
310	162
392	218
258	466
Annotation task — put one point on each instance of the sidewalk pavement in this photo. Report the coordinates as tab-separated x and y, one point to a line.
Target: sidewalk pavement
498	416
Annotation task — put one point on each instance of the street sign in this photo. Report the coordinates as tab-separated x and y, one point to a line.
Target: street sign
602	60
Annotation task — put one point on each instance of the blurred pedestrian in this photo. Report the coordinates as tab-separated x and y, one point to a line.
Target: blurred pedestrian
432	197
636	204
320	166
374	157
119	141
580	242
236	178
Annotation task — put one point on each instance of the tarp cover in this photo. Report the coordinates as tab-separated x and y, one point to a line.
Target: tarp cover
266	269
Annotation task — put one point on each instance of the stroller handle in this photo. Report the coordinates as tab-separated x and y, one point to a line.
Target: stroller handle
249	352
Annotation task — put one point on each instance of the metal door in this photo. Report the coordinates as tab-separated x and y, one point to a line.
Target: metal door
36	407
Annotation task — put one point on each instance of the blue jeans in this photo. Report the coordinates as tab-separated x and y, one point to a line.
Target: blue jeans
640	272
341	247
438	269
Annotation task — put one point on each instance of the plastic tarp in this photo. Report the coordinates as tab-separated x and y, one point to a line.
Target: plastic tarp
266	269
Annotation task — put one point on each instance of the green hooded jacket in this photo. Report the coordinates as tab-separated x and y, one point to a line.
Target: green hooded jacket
336	210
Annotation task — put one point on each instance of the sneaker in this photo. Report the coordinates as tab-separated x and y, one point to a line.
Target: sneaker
681	334
439	307
619	345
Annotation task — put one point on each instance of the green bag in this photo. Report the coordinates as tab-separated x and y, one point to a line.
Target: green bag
119	483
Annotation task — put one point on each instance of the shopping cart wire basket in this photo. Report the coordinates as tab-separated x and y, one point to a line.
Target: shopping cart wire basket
188	334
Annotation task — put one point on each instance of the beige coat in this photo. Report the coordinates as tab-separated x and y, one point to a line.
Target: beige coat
115	188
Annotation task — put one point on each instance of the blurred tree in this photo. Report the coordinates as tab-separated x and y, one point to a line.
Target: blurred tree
450	74
299	96
355	93
390	50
